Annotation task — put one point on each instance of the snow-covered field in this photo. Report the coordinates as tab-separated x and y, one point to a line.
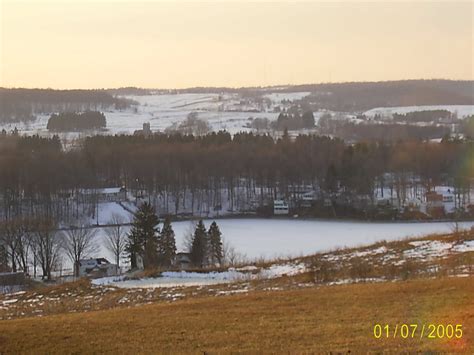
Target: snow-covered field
222	112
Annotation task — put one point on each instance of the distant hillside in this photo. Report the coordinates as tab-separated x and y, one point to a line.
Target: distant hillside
358	96
365	96
23	104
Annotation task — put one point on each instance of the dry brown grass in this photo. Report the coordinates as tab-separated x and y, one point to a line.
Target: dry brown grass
316	319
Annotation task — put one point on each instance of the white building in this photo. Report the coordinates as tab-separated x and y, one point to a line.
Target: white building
280	207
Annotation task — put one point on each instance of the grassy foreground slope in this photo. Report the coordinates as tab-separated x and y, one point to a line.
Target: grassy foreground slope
316	319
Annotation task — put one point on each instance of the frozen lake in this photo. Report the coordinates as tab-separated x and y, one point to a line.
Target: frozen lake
271	238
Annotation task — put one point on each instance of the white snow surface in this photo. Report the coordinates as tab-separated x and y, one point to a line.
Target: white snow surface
465	247
107	210
271	238
274	238
185	278
428	249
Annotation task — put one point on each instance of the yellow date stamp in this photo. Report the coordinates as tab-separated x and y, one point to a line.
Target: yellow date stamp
418	331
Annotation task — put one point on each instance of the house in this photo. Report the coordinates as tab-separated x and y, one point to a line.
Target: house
182	261
280	207
444	199
99	267
109	194
449	199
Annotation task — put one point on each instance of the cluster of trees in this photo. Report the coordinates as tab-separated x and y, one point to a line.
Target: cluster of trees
157	248
26	242
74	121
22	238
37	242
147	243
205	247
468	127
424	116
36	175
192	125
292	120
23	104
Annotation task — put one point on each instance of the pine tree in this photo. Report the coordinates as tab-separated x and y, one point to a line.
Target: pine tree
166	244
308	119
142	239
215	244
198	253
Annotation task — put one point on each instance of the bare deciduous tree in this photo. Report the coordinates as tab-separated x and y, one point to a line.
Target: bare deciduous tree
230	256
9	239
47	246
116	238
79	243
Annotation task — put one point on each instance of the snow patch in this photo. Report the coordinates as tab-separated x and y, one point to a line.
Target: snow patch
467	246
428	249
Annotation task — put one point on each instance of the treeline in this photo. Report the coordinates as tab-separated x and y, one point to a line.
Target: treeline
290	120
36	174
352	131
72	121
26	242
353	97
294	121
423	116
23	104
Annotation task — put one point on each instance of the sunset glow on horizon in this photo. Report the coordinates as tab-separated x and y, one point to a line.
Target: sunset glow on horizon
164	44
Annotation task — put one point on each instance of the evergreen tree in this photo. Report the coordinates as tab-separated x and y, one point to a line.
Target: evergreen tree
215	244
198	253
142	239
308	119
166	244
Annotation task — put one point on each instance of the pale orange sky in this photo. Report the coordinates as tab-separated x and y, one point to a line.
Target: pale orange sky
177	44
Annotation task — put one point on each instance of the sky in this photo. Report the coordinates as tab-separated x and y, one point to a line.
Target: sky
178	44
